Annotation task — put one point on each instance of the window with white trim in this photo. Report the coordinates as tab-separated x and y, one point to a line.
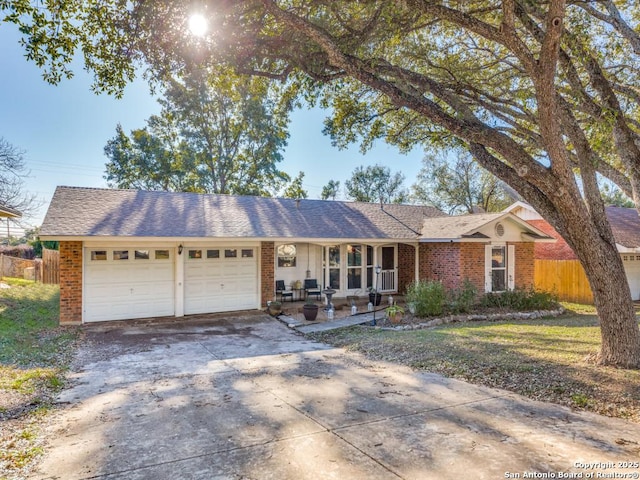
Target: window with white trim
498	268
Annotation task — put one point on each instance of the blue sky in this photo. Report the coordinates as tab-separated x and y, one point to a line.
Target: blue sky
63	130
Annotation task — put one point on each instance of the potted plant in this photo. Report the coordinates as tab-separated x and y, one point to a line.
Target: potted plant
310	310
394	313
274	308
374	297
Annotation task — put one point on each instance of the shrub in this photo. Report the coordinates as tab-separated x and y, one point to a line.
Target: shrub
427	297
463	299
20	251
521	299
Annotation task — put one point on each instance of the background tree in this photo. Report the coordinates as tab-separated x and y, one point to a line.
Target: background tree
151	158
331	190
612	195
215	134
295	189
460	185
376	184
32	236
536	91
13	171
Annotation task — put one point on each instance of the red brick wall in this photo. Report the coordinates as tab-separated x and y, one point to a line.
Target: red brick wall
70	283
267	272
559	250
406	266
452	263
472	264
440	261
524	264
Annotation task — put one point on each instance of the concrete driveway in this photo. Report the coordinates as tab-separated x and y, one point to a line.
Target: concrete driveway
247	398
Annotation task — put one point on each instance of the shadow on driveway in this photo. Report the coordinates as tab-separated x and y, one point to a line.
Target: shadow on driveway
247	398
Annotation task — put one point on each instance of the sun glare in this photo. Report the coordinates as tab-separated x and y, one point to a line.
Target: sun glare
198	25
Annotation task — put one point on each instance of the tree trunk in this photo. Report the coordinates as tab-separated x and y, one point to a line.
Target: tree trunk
618	323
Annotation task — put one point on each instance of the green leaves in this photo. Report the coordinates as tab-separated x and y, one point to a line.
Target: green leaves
376	184
457	184
216	133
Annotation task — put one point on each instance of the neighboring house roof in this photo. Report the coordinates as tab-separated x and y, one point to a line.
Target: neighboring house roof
625	223
92	212
9	212
466	227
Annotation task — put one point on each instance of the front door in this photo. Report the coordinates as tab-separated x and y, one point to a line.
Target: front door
388	273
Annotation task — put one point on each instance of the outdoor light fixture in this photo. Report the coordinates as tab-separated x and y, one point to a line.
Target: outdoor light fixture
377	269
180	249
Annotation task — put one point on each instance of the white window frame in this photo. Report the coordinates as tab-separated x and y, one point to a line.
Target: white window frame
291	258
510	268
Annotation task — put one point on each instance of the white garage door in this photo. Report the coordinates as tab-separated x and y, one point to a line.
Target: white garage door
220	279
632	269
124	283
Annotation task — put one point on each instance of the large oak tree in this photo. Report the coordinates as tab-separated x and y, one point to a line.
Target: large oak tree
538	92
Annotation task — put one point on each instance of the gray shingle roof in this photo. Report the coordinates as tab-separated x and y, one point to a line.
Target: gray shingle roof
92	212
467	226
458	226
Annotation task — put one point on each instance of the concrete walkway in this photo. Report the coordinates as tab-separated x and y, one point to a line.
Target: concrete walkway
304	327
248	398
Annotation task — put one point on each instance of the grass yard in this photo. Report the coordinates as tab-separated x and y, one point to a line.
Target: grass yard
34	355
543	359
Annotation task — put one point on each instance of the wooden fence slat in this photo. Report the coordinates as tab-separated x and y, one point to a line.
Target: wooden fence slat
566	278
50	266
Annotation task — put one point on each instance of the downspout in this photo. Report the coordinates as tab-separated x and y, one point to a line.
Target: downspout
416	274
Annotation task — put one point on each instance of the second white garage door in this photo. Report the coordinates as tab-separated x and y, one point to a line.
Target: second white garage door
219	279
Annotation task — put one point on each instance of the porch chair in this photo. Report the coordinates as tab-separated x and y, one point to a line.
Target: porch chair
282	291
311	288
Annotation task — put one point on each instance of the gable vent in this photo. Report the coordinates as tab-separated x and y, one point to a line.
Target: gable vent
499	229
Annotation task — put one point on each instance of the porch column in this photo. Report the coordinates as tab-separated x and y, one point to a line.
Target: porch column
416	274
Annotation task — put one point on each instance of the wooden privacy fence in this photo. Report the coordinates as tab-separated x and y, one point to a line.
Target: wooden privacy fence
566	278
45	270
50	266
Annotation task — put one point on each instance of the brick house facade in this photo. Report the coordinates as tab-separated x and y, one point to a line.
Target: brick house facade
225	254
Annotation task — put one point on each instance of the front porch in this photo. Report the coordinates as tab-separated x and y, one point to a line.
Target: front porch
348	268
342	309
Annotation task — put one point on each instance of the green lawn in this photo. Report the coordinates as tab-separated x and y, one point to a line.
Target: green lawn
34	355
543	359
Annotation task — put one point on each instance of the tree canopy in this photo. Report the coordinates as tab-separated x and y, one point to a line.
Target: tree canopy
331	190
376	184
13	171
216	133
459	185
536	91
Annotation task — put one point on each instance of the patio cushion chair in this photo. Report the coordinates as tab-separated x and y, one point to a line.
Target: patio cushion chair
282	291
311	288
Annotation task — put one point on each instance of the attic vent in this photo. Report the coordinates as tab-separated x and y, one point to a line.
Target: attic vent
499	229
